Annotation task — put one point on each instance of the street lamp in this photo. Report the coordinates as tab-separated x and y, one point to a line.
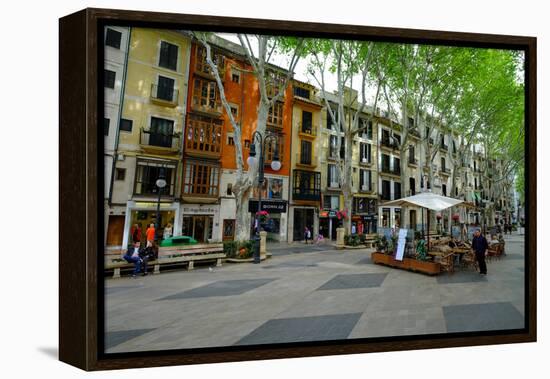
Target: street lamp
160	183
252	162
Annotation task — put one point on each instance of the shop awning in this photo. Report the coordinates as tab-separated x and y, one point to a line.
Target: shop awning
427	200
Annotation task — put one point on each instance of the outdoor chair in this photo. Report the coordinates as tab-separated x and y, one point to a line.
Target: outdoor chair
447	262
469	261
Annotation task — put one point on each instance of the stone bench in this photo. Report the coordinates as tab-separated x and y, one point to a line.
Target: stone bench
171	256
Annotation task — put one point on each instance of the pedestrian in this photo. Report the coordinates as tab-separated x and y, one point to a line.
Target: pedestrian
307	234
135	231
150	235
480	248
167	231
134	255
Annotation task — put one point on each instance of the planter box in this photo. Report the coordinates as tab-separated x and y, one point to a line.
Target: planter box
430	268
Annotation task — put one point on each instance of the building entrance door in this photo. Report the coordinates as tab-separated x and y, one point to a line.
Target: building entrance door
303	218
115	230
198	227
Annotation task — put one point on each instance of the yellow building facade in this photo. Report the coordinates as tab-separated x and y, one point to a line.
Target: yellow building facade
150	132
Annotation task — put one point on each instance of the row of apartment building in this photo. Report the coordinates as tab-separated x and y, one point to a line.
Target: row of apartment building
163	113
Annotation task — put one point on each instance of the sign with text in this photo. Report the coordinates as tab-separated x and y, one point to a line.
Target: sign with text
401	242
267	205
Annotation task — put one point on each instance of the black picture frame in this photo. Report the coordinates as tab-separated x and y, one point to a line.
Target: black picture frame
81	186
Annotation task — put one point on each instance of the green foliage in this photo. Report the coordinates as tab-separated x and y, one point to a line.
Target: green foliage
381	243
232	249
353	240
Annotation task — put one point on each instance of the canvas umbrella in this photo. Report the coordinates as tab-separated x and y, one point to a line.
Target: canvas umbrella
428	200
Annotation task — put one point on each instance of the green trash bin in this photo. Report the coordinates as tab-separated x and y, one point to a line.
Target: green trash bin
178	241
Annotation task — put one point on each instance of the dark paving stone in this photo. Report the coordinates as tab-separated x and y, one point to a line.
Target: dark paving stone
291	265
364	261
111	290
115	338
482	317
300	329
347	281
462	277
221	288
514	256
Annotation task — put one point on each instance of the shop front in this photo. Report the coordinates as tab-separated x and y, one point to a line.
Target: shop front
145	213
302	218
364	218
275	223
328	223
201	221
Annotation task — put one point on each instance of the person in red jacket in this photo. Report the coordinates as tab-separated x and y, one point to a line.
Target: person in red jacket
135	232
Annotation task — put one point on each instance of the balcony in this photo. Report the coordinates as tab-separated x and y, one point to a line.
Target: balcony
306	160
207	107
307	130
365	161
306	185
412	162
387	143
414	133
445	171
165	96
366	188
159	143
443	147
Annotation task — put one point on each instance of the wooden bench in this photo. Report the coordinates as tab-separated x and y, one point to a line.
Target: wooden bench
188	254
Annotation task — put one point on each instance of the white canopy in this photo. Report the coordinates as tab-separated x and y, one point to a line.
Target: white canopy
426	200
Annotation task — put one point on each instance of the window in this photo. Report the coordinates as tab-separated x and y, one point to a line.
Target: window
386	217
329	120
247	143
410	122
307	121
301	92
412	158
120	174
234	111
106	123
333	145
306	185
203	135
333	177
228	230
386	138
443	168
165	88
396	190
397	166
365	180
206	96
274	81
331	202
235	77
109	78
386	190
113	38
161	132
306	152
274	145
385	163
275	115
201	179
230	140
168	55
202	65
147	173
412	186
444	189
342	148
365	152
229	189
126	125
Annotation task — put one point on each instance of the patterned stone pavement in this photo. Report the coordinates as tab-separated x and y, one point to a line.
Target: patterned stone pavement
309	293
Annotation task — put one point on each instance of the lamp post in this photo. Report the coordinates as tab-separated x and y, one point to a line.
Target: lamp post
252	162
160	183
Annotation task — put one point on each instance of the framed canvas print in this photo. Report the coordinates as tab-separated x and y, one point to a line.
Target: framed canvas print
241	189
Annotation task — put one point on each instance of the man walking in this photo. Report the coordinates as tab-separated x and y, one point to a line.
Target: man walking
480	247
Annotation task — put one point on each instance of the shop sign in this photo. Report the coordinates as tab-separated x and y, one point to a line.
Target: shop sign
270	206
332	214
198	210
323	214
